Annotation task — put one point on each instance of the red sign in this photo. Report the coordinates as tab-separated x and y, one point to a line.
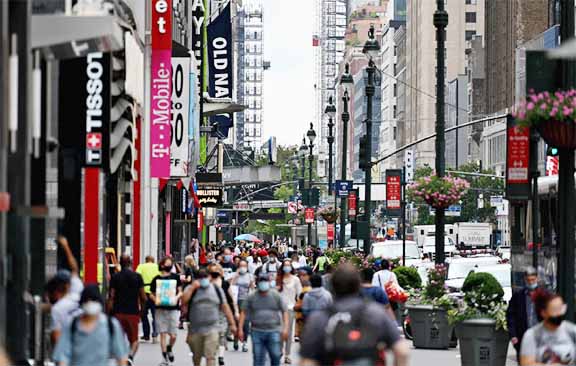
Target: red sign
309	215
518	154
330	231
94	140
393	190
352	203
4	201
552	165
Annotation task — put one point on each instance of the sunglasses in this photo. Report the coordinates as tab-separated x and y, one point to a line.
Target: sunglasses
214	274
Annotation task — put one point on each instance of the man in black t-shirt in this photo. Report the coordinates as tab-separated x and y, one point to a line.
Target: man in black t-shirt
127	301
165	291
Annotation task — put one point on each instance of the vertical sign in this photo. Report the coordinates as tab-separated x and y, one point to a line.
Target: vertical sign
517	161
352	197
330	231
309	215
180	111
220	65
393	192
161	88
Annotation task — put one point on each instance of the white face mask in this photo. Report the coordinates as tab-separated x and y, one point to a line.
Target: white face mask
92	307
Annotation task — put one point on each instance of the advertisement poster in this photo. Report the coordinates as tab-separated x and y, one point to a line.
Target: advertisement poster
309	215
352	196
393	192
330	231
180	111
517	161
220	81
161	89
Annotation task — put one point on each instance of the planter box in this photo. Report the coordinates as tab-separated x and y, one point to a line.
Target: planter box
430	327
481	344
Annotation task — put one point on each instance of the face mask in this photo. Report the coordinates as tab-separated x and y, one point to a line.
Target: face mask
92	308
532	286
204	282
556	320
227	258
167	268
273	283
243	270
263	286
287	269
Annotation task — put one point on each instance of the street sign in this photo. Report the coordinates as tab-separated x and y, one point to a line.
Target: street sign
517	161
343	187
393	192
496	201
352	197
292	207
330	231
452	211
309	215
409	164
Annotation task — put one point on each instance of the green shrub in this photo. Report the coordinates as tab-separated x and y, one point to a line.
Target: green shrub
482	290
408	277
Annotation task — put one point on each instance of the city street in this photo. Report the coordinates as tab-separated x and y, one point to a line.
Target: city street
149	355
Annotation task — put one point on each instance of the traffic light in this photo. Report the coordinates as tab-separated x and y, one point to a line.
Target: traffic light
363	156
552	151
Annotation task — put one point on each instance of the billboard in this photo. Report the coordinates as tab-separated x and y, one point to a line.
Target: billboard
517	161
393	192
180	111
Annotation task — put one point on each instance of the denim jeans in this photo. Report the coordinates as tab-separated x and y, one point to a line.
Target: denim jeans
150	306
266	342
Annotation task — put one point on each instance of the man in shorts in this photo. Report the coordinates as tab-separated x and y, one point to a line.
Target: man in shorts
165	291
127	301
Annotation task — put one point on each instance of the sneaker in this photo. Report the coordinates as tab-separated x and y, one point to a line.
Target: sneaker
221	361
244	347
130	361
144	339
154	340
287	361
235	345
170	355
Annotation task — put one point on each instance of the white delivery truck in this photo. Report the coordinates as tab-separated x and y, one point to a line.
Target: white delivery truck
423	231
474	235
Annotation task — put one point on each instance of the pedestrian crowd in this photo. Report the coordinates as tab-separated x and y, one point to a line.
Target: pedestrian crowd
270	293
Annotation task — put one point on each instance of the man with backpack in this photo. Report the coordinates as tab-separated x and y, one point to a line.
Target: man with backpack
352	331
92	338
205	301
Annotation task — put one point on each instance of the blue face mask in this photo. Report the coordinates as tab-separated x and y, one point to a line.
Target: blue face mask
204	282
532	286
227	258
287	269
263	286
273	283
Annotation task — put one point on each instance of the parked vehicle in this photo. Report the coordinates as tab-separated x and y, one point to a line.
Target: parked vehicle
502	273
430	246
421	232
473	235
392	249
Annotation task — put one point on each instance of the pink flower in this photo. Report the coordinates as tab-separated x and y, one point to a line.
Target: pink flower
530	106
543	106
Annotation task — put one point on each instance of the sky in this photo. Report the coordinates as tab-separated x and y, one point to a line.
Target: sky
289	83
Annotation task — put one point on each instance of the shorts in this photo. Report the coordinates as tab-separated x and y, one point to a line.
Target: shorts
167	321
203	345
129	323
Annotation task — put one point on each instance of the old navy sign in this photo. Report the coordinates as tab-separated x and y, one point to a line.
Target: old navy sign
161	89
220	65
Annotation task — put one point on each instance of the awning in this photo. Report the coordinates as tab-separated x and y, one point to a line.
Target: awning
67	36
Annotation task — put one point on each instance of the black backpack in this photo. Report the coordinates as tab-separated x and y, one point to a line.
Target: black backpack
351	336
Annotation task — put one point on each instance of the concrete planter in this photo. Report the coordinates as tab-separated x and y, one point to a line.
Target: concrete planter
481	344
430	327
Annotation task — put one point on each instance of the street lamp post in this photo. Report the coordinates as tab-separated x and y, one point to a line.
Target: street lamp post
345	80
440	22
311	137
371	49
331	113
302	153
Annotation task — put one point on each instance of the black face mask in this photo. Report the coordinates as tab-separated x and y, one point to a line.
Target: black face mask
556	320
167	268
214	275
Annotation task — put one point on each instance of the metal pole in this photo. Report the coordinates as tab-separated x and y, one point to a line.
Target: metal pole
566	193
343	203
330	143
534	138
404	215
440	22
310	161
370	89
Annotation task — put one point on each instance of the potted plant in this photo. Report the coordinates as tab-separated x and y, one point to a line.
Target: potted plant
480	321
409	280
329	214
552	114
428	311
438	192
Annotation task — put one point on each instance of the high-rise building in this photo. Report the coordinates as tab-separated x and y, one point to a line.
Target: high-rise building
329	32
249	32
466	20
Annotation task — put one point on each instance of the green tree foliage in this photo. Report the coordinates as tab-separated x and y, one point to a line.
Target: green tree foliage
408	277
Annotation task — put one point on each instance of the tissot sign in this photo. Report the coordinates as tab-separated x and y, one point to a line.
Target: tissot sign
161	88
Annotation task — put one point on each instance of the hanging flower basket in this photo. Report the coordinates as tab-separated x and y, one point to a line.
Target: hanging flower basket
329	214
438	192
552	114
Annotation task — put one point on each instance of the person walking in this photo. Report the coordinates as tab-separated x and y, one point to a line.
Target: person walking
352	330
165	291
304	275
65	303
553	340
290	288
127	300
316	299
521	313
375	293
205	301
91	338
384	276
269	319
243	281
271	266
148	270
321	263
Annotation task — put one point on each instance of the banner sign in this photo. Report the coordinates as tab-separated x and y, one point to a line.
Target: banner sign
221	71
352	198
161	89
85	99
180	111
209	196
343	187
517	161
330	231
309	215
393	192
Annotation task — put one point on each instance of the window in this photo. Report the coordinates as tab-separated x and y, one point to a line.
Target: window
470	34
471	17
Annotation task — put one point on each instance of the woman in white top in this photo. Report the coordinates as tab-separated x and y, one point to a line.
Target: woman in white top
290	288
